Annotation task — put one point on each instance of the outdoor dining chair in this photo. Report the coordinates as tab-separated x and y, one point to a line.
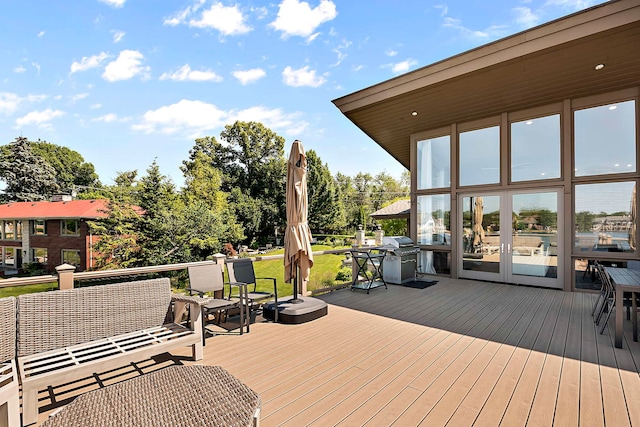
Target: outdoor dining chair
208	280
243	271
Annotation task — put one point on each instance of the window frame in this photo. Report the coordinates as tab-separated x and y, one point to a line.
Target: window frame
64	229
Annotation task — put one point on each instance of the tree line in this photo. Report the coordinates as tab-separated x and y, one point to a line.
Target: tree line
233	193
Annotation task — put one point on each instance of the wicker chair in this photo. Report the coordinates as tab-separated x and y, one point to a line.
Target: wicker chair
9	394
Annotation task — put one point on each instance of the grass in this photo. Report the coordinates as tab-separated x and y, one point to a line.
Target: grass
14	291
323	272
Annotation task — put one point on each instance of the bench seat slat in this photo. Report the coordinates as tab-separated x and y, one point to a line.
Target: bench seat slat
88	352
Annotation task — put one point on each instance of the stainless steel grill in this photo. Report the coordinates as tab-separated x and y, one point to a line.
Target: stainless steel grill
401	262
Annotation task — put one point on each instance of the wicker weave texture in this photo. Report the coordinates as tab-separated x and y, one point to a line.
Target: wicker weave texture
8	328
175	396
52	320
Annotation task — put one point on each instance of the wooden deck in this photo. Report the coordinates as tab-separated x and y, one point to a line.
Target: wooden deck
458	353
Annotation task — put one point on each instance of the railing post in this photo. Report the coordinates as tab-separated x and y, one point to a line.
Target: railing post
65	276
354	266
360	236
379	233
219	258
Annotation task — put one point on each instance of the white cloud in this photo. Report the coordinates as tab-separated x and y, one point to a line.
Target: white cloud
443	9
249	76
88	62
391	52
302	77
107	118
296	18
41	33
184	117
526	18
492	32
95	106
274	119
185	73
10	102
182	16
19	69
126	66
118	35
403	66
79	96
228	20
114	3
357	68
571	4
341	52
195	118
36	66
40	118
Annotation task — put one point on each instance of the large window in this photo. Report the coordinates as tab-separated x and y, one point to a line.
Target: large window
535	149
70	227
8	230
40	255
480	156
602	217
434	220
605	139
434	163
70	256
39	227
18	230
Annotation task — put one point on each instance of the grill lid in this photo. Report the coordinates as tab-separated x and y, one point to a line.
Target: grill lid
397	241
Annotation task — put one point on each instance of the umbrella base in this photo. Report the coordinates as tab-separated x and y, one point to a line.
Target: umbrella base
293	314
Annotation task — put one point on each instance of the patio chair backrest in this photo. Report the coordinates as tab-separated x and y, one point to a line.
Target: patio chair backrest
206	278
242	271
8	327
57	319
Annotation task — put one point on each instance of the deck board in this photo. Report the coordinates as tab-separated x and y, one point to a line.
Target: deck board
459	353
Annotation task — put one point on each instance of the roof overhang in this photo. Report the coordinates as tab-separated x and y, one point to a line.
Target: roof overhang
540	66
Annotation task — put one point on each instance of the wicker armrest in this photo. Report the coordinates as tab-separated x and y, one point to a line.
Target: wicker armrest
190	299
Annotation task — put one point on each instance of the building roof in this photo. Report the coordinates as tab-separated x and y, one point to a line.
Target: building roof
541	66
396	210
89	209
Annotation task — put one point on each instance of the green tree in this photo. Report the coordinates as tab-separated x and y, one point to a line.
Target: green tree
72	172
252	159
326	212
27	176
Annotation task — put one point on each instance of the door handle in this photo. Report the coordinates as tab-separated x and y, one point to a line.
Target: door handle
501	248
508	248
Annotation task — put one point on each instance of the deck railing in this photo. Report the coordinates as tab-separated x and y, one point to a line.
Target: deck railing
66	276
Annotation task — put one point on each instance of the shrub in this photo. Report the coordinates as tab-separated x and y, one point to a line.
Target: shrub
344	275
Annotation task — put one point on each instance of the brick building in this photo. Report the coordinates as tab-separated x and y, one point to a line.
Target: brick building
51	232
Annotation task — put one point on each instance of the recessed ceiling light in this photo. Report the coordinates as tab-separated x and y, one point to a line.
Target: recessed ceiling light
616	165
629	165
530	122
599	66
542	174
414	113
613	107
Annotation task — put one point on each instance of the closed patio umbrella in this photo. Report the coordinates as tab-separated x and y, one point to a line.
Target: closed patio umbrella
633	227
298	258
478	229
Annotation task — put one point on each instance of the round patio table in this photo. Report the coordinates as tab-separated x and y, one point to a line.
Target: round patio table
174	396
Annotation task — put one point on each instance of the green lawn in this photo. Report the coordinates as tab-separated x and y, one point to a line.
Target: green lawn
14	291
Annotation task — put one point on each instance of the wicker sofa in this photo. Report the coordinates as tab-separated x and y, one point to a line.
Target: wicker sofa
68	335
9	393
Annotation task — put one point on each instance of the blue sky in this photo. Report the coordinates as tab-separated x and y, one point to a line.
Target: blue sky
124	82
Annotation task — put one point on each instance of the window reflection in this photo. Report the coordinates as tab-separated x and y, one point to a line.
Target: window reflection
434	220
480	156
535	149
605	139
603	217
434	163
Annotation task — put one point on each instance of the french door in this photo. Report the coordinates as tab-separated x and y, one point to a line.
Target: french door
511	237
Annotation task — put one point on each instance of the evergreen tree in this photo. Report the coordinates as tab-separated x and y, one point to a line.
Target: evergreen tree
326	213
27	176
